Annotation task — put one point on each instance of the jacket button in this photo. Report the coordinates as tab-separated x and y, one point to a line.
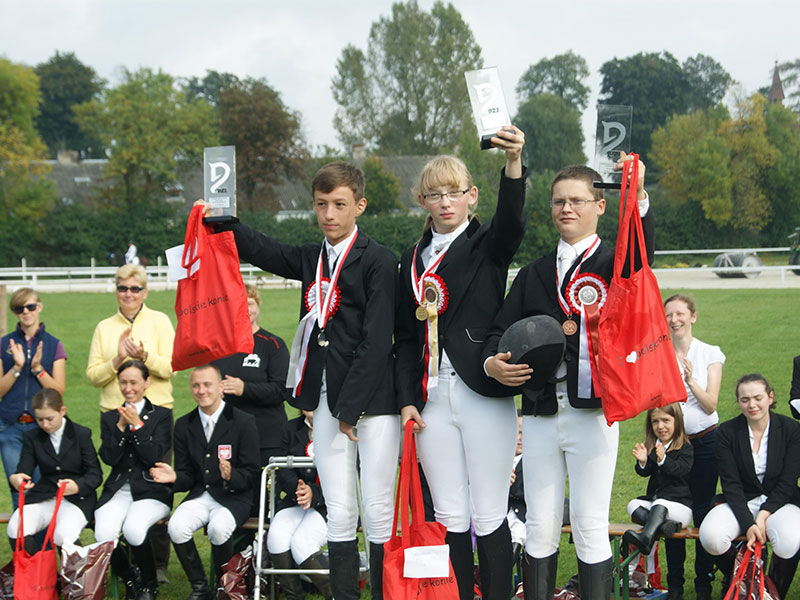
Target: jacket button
206	486
208	456
58	468
206	471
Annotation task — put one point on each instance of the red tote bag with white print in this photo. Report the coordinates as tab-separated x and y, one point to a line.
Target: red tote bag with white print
636	365
211	304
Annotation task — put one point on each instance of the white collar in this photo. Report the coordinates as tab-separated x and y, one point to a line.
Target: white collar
58	433
338	248
581	246
447	238
139	406
213	418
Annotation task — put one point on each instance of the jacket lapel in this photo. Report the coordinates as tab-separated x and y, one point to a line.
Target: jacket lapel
546	271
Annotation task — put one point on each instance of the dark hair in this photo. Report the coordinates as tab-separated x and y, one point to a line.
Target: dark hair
136	364
687	300
47	398
209	366
581	173
679	438
756	378
337	174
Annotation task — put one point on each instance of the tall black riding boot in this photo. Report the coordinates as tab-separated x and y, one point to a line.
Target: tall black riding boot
639	516
193	567
376	570
343	557
675	551
125	571
644	540
595	580
496	563
143	556
725	562
321	582
781	571
221	554
291	585
462	559
539	576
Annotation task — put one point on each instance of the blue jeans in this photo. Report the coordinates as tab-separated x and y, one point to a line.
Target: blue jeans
11	448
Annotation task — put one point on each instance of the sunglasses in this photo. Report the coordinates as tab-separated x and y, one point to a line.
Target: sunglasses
18	310
135	289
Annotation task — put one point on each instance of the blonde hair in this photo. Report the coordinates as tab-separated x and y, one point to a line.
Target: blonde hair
18	298
443	171
128	271
252	292
679	437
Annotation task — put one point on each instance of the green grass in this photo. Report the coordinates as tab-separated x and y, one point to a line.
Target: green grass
754	328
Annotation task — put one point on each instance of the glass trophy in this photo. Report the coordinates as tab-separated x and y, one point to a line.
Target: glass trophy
488	103
219	182
613	135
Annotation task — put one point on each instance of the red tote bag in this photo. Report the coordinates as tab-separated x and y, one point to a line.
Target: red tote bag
636	364
415	534
35	576
211	304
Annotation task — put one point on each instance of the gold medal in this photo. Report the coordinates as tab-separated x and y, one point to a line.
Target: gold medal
569	326
322	339
421	313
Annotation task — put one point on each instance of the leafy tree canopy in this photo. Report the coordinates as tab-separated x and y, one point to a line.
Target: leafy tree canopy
563	75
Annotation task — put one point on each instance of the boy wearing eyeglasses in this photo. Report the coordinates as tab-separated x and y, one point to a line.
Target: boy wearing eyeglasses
564	431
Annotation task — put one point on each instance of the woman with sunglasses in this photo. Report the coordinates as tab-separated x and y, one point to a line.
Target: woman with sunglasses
32	360
133	332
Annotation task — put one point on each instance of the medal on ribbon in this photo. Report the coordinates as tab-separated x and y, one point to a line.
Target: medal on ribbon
570	327
586	295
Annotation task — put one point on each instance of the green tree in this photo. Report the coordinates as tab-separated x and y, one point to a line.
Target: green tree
406	94
484	166
790	78
19	98
65	81
382	187
783	132
564	75
707	82
553	133
209	87
150	131
268	140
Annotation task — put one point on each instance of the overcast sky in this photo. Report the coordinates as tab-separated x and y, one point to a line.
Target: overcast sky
294	45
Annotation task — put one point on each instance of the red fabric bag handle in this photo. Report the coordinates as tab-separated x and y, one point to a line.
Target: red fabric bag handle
630	232
50	529
409	489
194	241
741	572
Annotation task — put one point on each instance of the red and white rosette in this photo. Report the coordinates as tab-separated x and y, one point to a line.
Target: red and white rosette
434	294
432	303
311	297
587	294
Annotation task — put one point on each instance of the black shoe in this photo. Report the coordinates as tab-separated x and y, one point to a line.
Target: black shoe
376	570
496	563
193	567
344	562
147	593
321	582
127	572
644	539
674	595
291	585
143	556
462	559
595	580
539	576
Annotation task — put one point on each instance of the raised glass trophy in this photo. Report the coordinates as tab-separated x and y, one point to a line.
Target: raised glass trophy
219	183
488	103
613	135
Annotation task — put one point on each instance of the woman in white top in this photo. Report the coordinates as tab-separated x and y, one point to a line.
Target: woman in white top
701	365
758	454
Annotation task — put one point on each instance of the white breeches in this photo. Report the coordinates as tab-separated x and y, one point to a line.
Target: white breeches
193	514
467	453
378	449
517	528
303	531
69	521
578	443
720	528
133	518
675	510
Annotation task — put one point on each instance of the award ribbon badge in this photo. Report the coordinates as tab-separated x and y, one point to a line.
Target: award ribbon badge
224	451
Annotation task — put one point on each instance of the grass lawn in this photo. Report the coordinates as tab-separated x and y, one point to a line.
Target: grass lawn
751	326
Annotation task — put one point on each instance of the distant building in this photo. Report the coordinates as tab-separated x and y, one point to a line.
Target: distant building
776	91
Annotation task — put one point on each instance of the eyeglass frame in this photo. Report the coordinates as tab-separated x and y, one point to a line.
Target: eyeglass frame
575	203
437	198
134	289
18	310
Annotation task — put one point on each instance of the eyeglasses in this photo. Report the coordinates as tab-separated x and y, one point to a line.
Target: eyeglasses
18	310
577	203
436	198
134	289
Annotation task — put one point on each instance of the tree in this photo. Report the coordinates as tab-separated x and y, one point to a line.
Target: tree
783	132
382	187
553	133
790	78
406	94
267	136
209	87
65	81
19	98
563	75
641	81
150	131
